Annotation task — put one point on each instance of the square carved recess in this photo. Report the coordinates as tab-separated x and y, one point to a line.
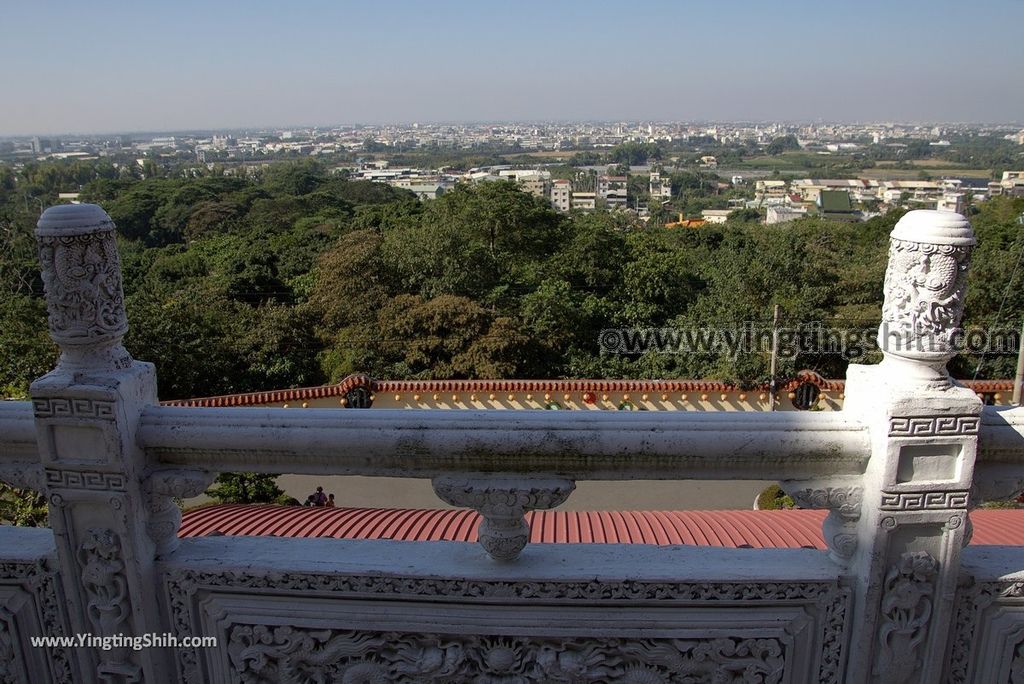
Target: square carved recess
283	626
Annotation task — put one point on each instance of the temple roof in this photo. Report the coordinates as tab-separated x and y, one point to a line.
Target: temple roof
735	529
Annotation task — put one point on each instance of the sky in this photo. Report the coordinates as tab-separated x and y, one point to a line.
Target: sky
105	66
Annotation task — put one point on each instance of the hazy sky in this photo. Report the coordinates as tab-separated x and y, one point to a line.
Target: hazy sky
102	66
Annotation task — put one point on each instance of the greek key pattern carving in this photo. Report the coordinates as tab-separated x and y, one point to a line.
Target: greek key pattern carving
260	653
74	479
924	501
933	426
906	612
37	579
73	408
82	278
182	585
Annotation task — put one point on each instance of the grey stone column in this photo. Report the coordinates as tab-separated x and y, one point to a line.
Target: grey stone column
924	438
96	477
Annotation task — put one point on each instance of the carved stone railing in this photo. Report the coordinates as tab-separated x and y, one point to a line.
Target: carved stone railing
897	470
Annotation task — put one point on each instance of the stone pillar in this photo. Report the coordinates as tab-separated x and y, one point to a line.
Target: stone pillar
96	477
924	437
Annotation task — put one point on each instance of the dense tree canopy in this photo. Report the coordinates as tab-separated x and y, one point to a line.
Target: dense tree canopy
293	276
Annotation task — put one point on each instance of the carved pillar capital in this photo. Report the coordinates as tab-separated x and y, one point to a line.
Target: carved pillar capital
843	501
502	501
925	284
81	273
161	488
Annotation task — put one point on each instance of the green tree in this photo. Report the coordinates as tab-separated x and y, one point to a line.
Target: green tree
24	507
246	488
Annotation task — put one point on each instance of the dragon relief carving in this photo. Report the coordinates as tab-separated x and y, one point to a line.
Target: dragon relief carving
924	293
502	503
830	601
82	278
263	654
906	610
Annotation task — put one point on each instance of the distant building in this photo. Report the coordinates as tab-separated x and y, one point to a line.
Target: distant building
534	182
951	201
1012	184
709	162
783	214
660	188
561	195
612	189
835	205
716	215
427	191
587	201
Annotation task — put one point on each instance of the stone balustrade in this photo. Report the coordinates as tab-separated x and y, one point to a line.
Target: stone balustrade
900	596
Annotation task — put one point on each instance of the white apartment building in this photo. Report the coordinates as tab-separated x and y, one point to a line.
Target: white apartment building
561	195
586	201
716	215
660	188
781	214
612	189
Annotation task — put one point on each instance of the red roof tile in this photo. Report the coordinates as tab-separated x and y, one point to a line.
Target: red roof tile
755	529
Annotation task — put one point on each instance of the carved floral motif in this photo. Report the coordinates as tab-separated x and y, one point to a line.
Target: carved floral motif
906	611
106	591
845	501
262	654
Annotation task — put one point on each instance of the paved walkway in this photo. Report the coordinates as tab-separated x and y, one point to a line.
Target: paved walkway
387	492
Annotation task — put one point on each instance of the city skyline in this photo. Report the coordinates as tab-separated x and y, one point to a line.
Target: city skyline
115	67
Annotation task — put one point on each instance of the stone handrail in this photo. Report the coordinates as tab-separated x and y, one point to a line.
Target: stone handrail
425	443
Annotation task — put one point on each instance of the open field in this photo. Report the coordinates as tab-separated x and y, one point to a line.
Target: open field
913	174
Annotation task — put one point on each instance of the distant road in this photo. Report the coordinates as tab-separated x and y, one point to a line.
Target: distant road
385	492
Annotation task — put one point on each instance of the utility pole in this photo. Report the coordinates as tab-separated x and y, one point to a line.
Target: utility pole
775	357
1018	379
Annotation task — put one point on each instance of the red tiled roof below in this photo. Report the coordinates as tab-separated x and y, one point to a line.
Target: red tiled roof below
755	529
556	386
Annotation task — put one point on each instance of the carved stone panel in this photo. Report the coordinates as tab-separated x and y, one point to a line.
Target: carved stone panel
29	606
285	627
988	634
263	654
